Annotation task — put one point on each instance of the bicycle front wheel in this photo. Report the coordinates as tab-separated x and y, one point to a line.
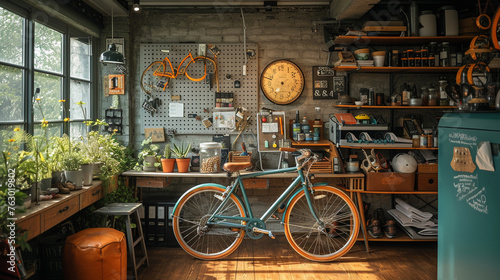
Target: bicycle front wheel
324	242
198	68
151	81
202	240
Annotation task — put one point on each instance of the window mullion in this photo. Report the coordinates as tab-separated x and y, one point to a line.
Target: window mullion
29	74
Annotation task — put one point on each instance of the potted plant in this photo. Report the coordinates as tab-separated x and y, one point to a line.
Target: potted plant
182	160
167	162
72	163
148	157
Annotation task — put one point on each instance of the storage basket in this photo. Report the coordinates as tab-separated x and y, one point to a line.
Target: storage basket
235	157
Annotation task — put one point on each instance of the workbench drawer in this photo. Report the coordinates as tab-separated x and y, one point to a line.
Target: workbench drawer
60	213
90	196
151	182
254	183
32	225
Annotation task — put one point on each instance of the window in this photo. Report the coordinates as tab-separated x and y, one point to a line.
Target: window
49	86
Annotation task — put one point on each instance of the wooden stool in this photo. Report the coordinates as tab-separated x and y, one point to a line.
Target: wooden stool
128	209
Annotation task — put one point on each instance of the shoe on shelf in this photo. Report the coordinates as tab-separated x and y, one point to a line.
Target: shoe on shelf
390	229
374	228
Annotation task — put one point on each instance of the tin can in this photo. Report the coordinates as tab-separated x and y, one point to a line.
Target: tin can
423	141
301	137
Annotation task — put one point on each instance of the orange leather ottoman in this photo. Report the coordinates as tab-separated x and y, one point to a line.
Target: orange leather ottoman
95	253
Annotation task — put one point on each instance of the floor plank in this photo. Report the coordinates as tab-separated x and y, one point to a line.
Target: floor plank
276	260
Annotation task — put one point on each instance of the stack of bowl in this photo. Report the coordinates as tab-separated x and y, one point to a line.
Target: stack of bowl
379	58
362	54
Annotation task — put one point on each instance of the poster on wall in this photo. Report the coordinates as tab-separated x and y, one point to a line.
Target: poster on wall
116	84
157	134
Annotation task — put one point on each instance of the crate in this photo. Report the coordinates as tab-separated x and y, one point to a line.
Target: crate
156	223
428	168
390	181
235	157
357	184
255	183
322	166
427	181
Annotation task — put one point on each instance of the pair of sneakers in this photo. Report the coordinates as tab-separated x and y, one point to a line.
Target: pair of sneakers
378	225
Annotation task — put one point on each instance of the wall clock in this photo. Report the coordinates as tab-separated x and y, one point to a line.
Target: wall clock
282	82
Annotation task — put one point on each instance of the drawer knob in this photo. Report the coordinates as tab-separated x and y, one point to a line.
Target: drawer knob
64	209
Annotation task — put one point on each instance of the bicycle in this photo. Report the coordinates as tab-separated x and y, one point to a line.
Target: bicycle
321	222
156	77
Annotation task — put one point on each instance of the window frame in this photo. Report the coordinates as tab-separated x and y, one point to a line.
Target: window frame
28	70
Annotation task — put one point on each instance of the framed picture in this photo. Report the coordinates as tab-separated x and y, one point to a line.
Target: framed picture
119	43
157	134
116	84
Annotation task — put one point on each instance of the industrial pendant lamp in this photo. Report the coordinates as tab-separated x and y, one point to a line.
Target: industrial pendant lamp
111	55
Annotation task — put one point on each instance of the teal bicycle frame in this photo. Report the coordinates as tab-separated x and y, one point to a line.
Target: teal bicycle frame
300	180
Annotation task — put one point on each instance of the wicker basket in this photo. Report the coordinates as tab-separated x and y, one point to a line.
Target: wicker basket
235	157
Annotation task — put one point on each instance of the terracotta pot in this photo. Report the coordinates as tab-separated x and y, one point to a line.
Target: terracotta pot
183	164
168	164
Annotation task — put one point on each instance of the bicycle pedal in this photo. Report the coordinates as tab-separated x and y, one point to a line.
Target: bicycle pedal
268	232
276	217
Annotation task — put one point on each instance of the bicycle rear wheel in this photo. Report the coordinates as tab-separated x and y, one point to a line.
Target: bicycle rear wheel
198	68
322	243
153	83
198	239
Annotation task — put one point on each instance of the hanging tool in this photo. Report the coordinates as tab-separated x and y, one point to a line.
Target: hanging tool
242	129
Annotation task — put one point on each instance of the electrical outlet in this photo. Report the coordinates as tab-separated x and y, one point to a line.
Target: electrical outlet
202	49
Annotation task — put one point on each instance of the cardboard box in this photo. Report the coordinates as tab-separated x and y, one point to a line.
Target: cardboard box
427	181
428	168
390	181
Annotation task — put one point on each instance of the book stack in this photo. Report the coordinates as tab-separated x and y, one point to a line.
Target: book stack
368	62
417	224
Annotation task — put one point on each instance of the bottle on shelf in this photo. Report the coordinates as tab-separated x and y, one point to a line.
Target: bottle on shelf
444	55
305	125
433	98
424	94
296	126
405	94
317	125
396	99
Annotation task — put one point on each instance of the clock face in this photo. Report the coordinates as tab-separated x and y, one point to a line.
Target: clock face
282	82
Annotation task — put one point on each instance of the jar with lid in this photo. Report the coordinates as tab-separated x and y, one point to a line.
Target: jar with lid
432	97
424	94
396	99
210	157
443	97
434	54
444	55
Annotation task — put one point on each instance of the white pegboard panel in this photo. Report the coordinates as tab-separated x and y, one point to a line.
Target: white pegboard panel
197	96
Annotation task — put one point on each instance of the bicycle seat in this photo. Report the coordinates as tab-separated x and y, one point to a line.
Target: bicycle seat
236	166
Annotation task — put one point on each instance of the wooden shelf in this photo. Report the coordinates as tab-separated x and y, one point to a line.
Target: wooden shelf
320	143
395	192
394	107
384	147
369	69
401	41
401	236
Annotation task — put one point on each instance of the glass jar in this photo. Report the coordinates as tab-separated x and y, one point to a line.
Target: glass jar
210	157
396	99
434	54
443	97
444	55
432	97
424	94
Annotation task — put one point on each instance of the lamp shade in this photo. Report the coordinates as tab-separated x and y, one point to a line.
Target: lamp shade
112	56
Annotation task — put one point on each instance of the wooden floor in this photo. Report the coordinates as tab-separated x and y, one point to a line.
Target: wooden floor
275	259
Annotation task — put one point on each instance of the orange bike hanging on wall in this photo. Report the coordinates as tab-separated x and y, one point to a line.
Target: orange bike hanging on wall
157	75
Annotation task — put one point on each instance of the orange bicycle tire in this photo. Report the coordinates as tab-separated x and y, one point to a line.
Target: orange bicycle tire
495	28
458	78
354	226
185	198
145	85
205	68
470	71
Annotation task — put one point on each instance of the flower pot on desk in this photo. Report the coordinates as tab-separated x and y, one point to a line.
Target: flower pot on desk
182	164
168	164
75	177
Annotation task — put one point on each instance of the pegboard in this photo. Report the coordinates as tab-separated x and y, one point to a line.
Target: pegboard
198	98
